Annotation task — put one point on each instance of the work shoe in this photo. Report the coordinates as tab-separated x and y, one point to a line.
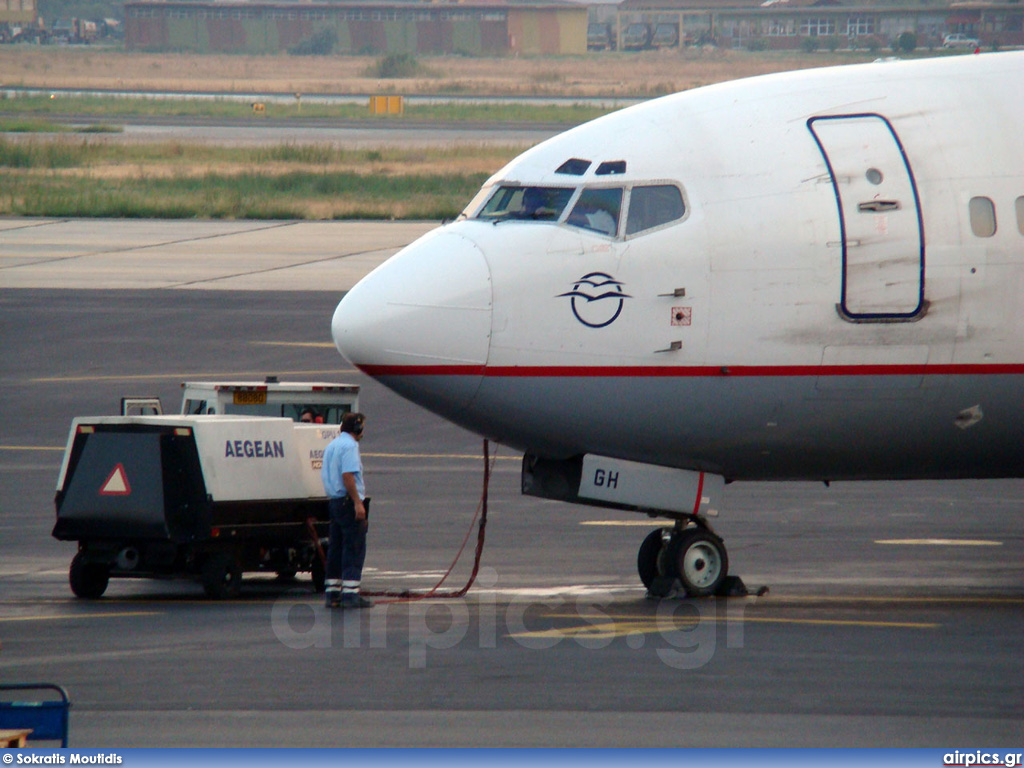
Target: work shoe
355	601
333	599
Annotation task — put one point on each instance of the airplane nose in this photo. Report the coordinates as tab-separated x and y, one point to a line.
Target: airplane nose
421	321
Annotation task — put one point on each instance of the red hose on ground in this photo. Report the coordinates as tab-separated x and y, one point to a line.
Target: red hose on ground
435	591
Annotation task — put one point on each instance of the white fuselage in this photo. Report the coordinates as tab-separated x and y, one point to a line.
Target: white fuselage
812	275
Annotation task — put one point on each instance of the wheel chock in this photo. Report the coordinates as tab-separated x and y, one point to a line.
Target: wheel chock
663	586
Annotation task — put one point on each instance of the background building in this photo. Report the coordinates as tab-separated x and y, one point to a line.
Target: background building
15	14
782	24
359	28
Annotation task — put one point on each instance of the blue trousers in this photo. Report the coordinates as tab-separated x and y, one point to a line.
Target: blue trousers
346	549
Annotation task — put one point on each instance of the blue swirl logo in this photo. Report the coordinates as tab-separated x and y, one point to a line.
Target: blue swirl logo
596	299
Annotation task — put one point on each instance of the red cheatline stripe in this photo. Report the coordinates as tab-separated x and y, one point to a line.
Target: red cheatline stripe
559	371
700	493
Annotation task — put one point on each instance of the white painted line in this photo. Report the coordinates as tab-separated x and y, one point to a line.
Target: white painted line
941	542
469	456
79	616
307	344
403	574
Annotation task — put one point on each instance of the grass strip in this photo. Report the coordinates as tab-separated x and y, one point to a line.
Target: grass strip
251	195
31	125
64	176
38	155
68	152
110	107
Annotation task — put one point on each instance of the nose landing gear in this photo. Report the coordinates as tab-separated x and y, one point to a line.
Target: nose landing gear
689	556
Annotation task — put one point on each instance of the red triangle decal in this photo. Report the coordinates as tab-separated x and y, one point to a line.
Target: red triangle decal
117	484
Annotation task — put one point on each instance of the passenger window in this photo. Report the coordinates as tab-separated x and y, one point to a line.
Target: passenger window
983	216
1020	215
526	203
653	206
598	211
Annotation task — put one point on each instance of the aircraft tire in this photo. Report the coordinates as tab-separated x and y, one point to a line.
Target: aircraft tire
698	559
221	576
88	580
648	556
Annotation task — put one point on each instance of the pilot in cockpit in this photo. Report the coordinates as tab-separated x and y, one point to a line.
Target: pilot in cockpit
535	203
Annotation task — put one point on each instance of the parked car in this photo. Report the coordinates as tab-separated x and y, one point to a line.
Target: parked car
600	37
959	40
665	36
636	37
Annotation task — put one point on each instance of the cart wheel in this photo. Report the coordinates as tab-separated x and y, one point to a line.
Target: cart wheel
316	570
287	574
88	580
221	576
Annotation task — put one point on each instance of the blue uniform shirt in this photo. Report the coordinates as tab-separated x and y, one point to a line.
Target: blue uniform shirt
342	455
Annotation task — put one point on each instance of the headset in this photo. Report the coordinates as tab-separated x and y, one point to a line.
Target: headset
352	423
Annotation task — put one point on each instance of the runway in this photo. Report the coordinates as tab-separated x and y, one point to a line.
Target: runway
894	614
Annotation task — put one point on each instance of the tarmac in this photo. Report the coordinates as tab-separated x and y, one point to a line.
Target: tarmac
893	616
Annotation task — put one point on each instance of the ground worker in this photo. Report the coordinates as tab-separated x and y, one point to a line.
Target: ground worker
342	475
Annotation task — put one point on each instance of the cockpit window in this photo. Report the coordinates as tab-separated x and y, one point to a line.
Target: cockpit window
526	203
597	210
652	206
574	167
611	168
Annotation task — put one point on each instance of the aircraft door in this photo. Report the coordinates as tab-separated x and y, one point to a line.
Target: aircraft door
881	229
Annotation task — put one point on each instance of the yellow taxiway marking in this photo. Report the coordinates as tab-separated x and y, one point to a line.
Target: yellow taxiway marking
62	616
652	624
236	375
900	542
942	542
31	447
851	599
692	620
